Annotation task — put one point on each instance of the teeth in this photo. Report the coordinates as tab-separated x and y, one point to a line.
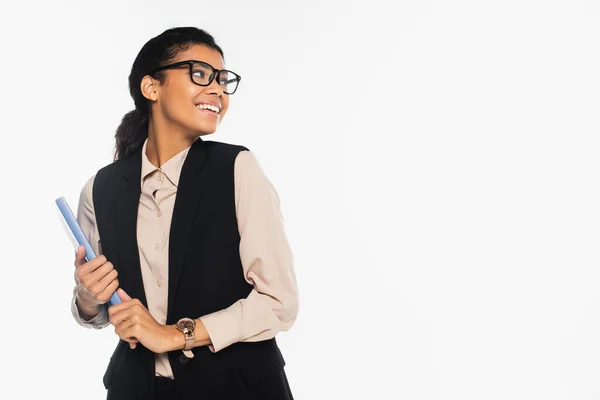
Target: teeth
208	107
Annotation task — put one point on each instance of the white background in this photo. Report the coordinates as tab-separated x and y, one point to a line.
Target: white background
437	164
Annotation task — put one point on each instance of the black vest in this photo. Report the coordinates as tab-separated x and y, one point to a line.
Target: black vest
205	274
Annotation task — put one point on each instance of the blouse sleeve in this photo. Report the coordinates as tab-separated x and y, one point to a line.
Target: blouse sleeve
87	220
267	262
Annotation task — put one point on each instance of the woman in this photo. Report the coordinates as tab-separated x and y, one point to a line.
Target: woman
191	234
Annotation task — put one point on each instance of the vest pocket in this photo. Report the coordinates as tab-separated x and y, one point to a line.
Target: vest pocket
115	360
253	375
107	378
261	362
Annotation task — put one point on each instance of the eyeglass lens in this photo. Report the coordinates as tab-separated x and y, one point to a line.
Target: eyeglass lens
202	74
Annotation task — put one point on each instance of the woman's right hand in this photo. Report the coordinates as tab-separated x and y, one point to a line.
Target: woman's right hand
97	281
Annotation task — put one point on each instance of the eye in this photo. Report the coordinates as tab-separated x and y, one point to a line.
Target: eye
199	73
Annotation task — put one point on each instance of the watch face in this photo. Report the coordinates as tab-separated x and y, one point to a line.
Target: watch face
186	323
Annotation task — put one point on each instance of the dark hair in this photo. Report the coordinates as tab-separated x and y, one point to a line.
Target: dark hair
158	51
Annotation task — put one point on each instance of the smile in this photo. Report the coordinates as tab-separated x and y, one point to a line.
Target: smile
208	107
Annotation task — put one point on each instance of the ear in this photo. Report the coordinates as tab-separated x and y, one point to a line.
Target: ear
149	88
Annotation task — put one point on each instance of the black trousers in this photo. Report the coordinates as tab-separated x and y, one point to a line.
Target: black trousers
164	389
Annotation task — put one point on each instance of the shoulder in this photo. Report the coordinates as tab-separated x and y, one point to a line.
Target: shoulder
87	187
222	152
86	191
246	163
213	145
103	185
110	170
249	174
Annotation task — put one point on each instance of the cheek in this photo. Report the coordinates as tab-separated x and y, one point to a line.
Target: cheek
179	103
173	109
224	109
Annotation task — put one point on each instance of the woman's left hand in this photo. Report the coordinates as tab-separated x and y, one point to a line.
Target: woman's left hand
133	322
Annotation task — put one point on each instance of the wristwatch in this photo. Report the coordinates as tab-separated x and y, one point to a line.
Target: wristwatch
186	326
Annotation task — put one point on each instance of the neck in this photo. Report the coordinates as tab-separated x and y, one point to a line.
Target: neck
165	142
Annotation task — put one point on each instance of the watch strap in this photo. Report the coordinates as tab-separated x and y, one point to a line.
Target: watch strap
188	334
190	340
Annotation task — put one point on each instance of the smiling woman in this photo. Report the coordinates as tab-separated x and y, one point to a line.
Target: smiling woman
194	229
168	91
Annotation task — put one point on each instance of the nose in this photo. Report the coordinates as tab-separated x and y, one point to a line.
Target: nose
215	88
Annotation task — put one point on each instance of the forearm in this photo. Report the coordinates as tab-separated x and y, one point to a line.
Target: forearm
88	316
255	318
87	311
176	340
230	325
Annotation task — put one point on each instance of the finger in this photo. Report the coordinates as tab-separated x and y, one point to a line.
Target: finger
130	333
91	264
79	256
86	268
126	304
136	313
91	279
120	318
100	287
100	272
123	295
110	289
132	342
124	324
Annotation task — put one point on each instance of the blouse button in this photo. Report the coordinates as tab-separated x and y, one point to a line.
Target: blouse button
159	283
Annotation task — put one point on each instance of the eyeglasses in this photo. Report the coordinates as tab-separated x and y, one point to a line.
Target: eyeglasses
203	74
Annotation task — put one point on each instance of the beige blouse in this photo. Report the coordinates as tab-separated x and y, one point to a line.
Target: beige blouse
266	257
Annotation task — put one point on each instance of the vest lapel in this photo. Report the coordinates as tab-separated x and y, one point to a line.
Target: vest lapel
130	278
185	212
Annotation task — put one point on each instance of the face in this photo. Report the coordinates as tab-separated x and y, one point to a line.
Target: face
175	103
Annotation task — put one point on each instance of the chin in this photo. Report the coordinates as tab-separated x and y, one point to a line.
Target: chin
204	132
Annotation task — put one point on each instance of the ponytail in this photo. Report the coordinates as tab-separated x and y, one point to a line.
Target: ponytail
131	134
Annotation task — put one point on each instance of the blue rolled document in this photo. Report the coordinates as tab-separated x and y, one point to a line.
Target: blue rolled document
79	237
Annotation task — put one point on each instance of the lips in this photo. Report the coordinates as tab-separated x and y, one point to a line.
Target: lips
209	113
209	106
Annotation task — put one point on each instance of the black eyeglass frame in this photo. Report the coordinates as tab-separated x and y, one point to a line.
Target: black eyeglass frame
216	73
